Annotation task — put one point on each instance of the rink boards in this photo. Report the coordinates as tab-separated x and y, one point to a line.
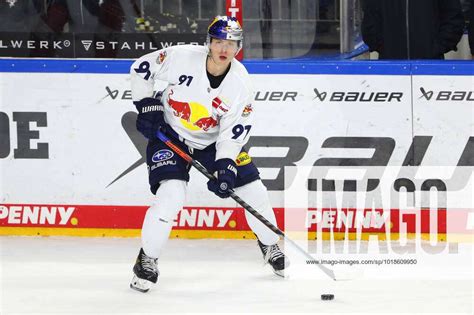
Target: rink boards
210	222
72	163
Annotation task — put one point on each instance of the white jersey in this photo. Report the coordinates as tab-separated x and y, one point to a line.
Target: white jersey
199	114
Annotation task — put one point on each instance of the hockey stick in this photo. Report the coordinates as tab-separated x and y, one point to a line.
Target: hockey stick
245	205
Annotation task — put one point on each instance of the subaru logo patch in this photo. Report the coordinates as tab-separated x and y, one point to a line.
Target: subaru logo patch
162	155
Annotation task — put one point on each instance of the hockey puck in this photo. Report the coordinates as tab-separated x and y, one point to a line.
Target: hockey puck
327	297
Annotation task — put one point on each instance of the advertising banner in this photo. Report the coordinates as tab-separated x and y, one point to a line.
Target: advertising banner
90	45
73	163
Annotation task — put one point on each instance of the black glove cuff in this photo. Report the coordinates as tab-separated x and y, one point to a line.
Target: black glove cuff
149	104
227	166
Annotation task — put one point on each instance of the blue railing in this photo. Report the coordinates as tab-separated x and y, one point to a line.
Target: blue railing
114	66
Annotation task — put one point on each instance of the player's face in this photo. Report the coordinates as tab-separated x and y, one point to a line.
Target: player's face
223	51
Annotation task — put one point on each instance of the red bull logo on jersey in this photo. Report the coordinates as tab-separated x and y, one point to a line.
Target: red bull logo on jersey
247	110
195	116
180	109
161	57
206	123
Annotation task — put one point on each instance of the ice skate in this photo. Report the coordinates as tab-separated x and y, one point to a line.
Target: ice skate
145	272
275	257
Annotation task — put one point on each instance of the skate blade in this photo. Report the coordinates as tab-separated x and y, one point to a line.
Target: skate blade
280	273
140	285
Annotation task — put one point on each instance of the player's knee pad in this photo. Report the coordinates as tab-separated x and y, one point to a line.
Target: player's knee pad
170	198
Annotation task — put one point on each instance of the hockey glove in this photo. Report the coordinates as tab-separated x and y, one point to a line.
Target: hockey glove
150	117
226	172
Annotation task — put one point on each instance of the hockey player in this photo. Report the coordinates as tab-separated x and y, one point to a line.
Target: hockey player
206	109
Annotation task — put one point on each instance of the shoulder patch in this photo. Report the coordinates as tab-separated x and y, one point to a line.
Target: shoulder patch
220	106
247	110
161	57
243	159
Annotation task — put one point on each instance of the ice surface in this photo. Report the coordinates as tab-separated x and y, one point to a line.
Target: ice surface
46	275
